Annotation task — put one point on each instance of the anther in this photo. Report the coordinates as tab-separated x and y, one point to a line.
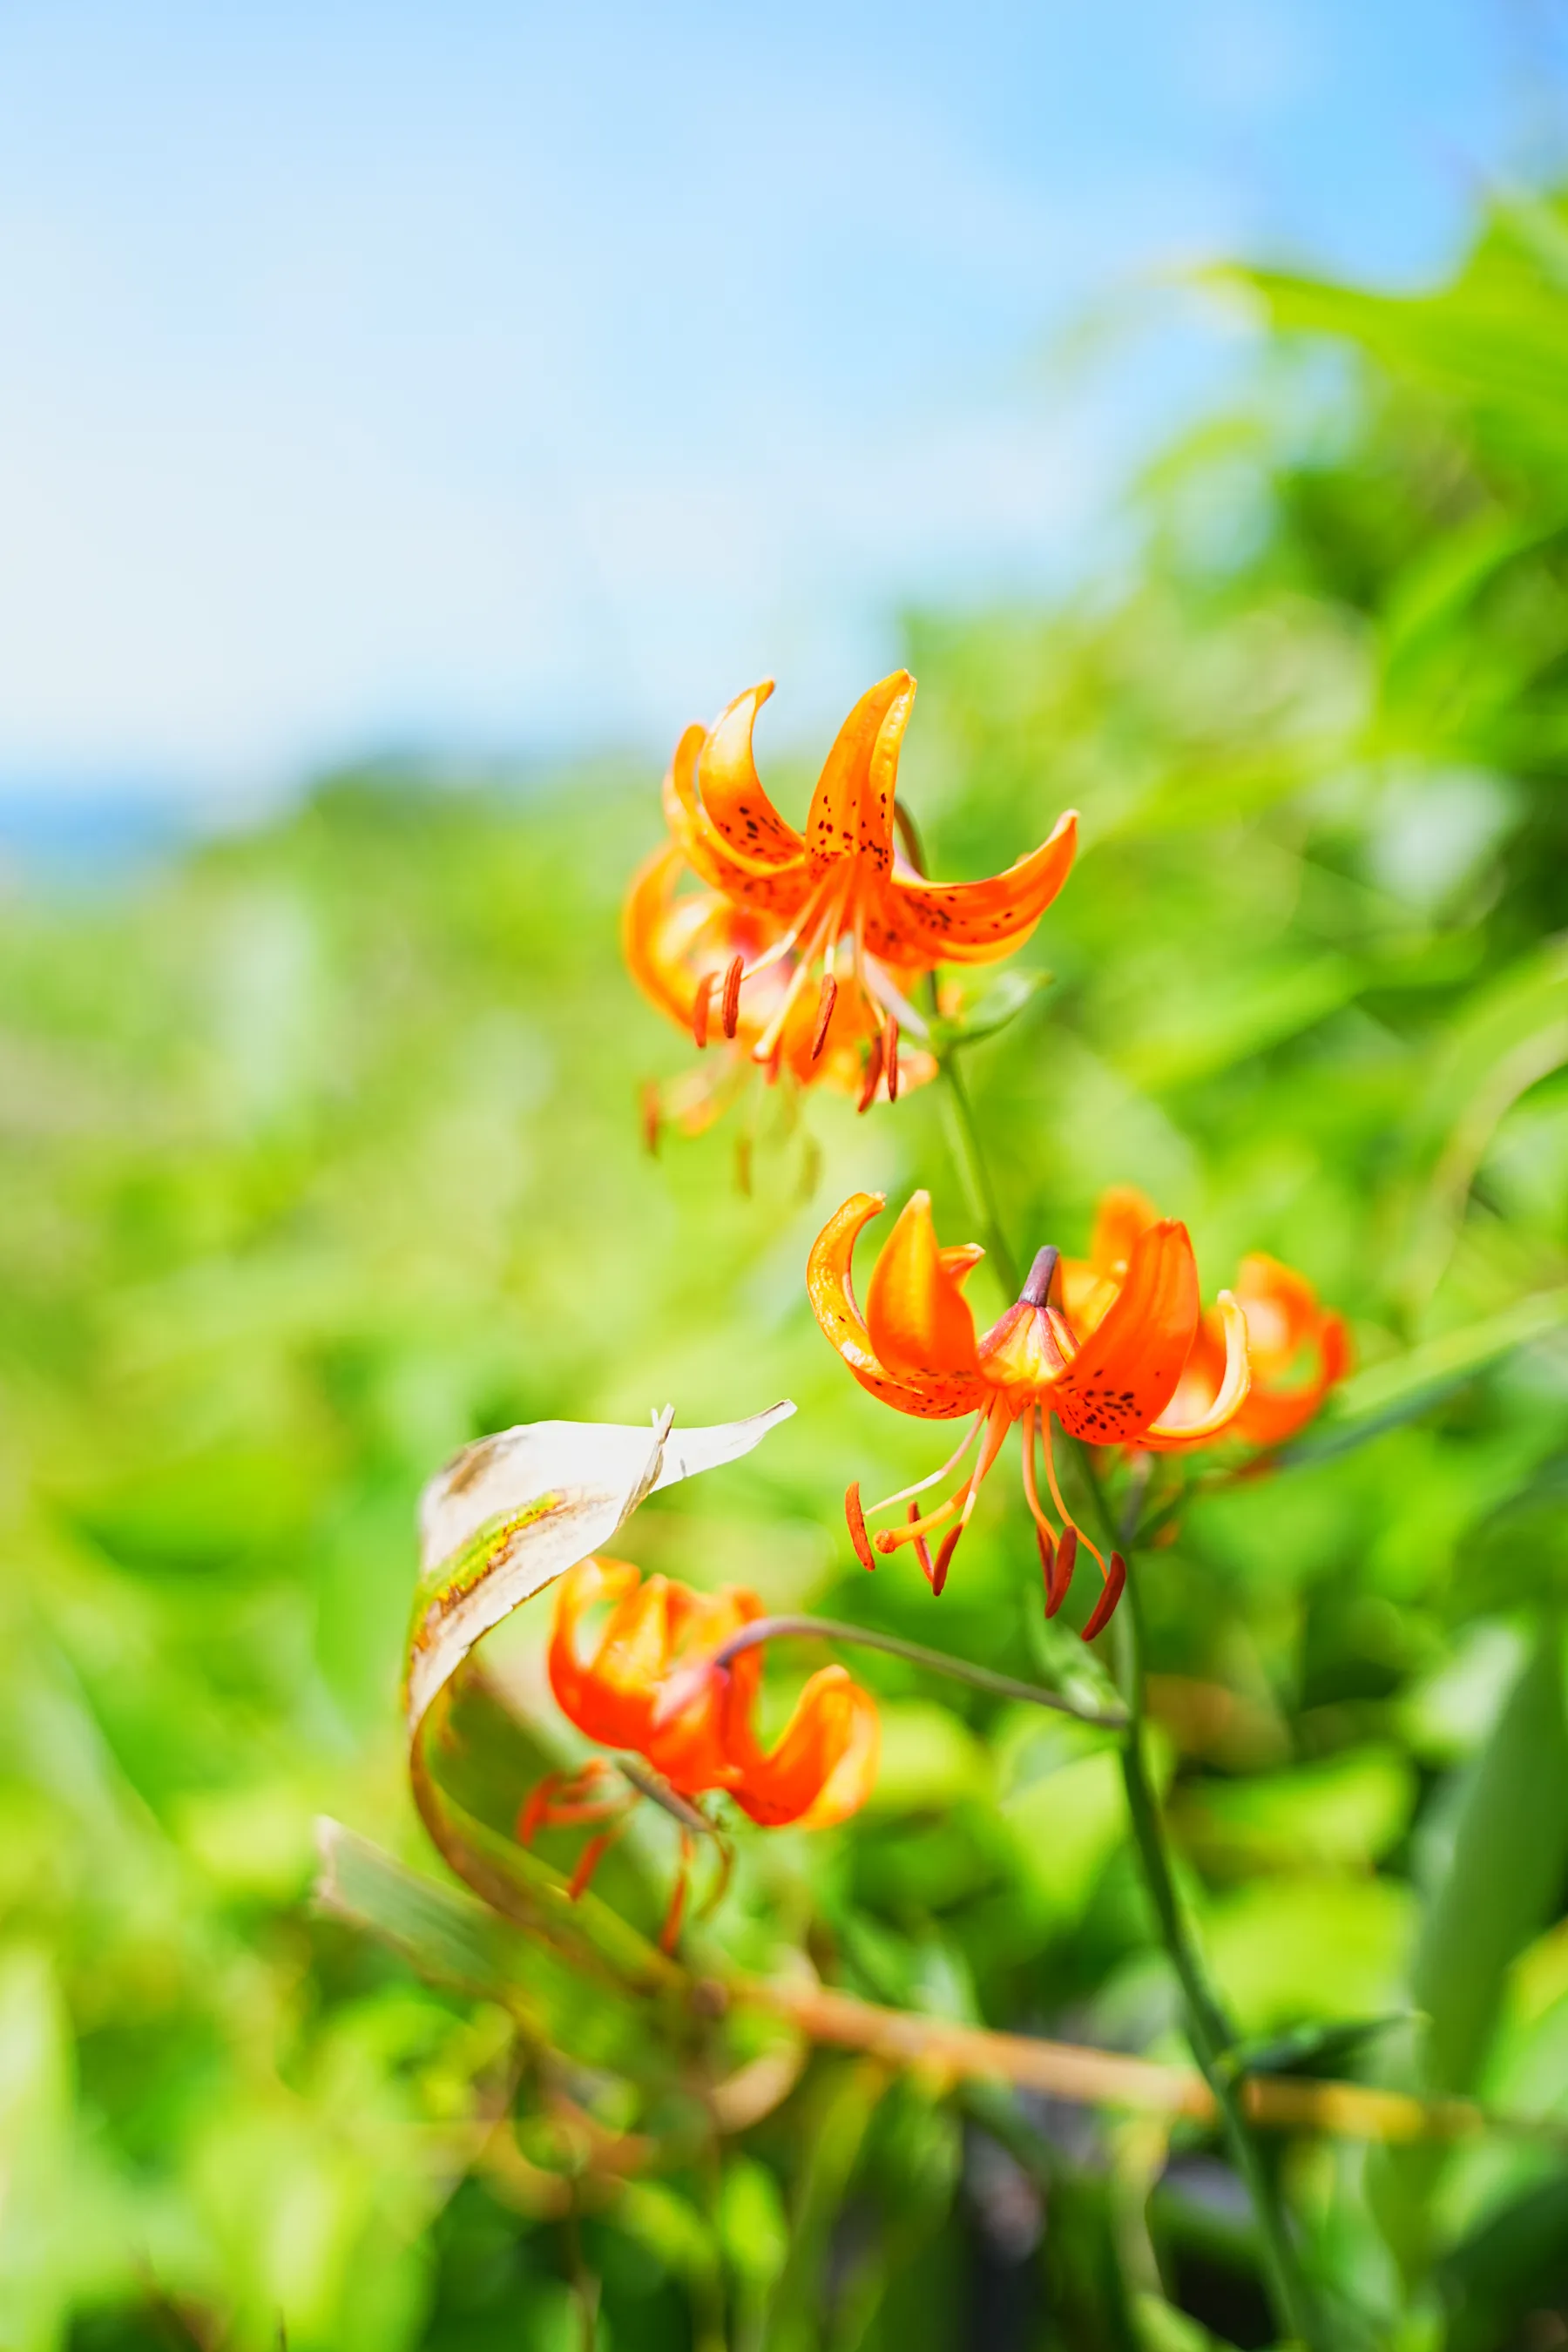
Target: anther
1066	1560
1036	1291
890	1055
731	1005
856	1520
1047	1550
922	1550
826	1003
873	1074
1104	1608
700	1005
944	1558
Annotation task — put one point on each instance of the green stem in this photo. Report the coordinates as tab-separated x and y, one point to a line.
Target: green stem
936	1662
1208	2030
974	1171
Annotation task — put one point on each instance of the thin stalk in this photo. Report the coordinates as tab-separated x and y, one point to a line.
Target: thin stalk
1208	2030
973	1169
936	1662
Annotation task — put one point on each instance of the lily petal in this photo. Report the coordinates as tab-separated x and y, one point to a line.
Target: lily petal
1122	1215
570	1678
851	811
918	1320
830	1288
1166	1437
731	792
1126	1372
651	937
826	1757
971	922
754	882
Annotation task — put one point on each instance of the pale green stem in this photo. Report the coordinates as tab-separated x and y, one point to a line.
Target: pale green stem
974	1171
1208	2030
936	1662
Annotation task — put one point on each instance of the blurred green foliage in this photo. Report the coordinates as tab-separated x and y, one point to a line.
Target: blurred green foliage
318	1156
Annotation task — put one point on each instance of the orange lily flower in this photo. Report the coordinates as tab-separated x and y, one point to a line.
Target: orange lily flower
842	883
1107	1382
650	1685
1298	1347
674	942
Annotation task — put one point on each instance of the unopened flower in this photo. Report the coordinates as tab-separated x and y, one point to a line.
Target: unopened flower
1108	1383
1298	1347
847	911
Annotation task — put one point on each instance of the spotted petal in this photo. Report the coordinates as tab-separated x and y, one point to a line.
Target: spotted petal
830	1288
1126	1369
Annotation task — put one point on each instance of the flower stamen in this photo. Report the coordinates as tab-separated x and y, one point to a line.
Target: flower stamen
826	1003
731	1005
700	1005
924	1484
855	1518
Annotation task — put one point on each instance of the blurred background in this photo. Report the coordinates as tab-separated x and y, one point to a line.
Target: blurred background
408	423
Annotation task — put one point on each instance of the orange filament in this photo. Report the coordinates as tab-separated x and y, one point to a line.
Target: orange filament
562	1800
1113	1577
1068	1521
953	1459
588	1862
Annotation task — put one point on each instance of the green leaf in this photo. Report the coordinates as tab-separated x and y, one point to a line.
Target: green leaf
1009	995
1386	1394
1510	1850
447	1937
1515	2263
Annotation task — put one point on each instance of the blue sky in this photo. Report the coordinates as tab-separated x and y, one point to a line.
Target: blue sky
510	377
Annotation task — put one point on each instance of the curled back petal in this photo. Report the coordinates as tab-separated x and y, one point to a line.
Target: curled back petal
572	1678
826	1755
971	922
830	1289
1123	1214
851	811
777	889
1281	1309
651	939
918	1322
853	1777
1168	1437
1126	1369
1090	1285
731	793
1272	1414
